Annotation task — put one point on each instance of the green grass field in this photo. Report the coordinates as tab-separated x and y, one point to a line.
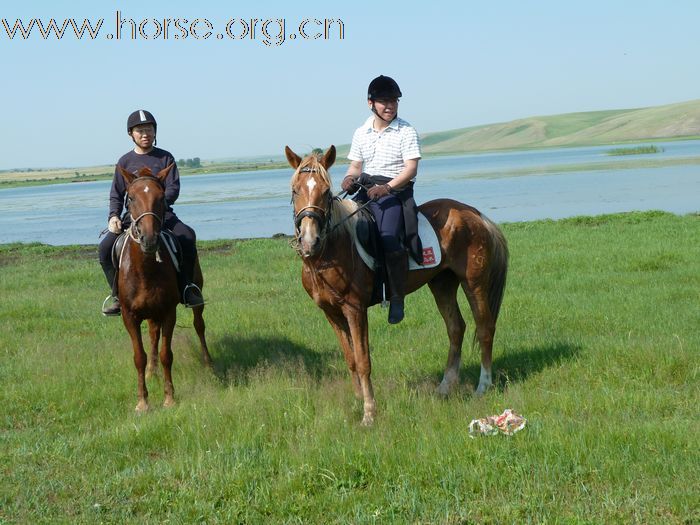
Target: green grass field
596	346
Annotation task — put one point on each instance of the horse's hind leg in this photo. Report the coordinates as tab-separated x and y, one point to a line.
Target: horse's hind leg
485	330
199	328
444	289
166	358
198	313
154	332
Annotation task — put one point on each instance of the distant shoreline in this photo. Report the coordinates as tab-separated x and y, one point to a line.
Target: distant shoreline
42	177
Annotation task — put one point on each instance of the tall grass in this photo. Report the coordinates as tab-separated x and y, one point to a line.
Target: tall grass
596	345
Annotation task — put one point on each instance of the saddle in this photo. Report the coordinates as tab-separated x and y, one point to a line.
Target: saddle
369	248
369	244
167	241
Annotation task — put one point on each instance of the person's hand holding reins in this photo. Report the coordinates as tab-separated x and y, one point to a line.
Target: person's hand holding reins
115	225
349	184
378	191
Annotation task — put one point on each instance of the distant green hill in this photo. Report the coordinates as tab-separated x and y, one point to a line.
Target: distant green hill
672	121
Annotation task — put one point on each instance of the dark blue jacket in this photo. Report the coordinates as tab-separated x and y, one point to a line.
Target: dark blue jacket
156	160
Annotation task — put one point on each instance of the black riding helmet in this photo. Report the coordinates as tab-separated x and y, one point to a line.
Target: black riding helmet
140	116
383	87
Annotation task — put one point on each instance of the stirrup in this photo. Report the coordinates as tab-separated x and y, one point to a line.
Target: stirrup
113	313
184	295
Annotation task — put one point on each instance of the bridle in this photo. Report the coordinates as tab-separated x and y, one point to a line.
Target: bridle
323	218
133	230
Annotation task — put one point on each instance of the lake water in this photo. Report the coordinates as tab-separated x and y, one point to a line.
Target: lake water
256	203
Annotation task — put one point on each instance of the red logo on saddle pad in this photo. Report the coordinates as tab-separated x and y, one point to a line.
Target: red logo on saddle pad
428	256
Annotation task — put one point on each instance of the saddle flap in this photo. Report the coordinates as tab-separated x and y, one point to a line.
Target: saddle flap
368	243
117	248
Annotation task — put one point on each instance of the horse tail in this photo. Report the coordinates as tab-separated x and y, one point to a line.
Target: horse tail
498	267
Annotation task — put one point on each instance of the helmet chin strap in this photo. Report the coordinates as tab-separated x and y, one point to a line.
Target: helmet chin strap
382	118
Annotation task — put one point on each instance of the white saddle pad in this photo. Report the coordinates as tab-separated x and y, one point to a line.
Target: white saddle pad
432	255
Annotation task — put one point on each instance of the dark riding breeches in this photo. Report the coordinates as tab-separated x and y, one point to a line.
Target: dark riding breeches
185	235
388	214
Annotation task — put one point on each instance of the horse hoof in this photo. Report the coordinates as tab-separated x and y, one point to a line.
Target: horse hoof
142	407
367	421
443	390
169	402
481	390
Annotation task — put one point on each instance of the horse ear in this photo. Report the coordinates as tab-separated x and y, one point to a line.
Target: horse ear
162	174
293	159
128	177
329	158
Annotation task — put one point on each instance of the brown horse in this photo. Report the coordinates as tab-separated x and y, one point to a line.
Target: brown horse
474	256
148	286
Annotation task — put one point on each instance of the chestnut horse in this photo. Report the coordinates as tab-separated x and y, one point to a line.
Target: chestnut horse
148	286
474	256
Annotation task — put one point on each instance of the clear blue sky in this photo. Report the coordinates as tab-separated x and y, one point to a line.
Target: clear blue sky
459	64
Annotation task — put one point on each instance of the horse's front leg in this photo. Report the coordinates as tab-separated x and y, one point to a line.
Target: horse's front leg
133	326
357	321
154	332
166	357
342	331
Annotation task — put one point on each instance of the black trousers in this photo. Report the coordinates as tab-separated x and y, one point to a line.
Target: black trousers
185	235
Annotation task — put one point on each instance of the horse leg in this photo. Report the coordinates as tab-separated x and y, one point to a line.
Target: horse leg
357	321
444	289
485	330
199	328
166	358
154	332
199	317
342	331
133	326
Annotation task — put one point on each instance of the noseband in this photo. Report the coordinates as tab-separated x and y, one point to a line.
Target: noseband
323	217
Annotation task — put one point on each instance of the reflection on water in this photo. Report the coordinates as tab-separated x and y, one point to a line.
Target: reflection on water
257	204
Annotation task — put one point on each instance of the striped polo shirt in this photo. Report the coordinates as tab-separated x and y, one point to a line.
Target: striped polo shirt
383	153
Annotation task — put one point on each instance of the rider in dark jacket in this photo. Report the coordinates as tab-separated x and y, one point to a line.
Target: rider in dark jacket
142	127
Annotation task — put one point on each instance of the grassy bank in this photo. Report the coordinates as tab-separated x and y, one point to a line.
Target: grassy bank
638	150
597	346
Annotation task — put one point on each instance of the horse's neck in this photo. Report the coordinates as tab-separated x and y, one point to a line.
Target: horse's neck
338	251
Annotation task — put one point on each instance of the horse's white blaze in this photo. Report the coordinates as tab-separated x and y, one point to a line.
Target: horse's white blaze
311	184
145	190
308	234
484	380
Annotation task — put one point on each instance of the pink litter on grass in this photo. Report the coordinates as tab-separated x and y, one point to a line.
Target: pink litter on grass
507	423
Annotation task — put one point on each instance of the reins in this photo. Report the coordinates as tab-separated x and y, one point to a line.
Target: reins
134	227
325	218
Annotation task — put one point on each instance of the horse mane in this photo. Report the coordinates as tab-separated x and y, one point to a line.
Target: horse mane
341	209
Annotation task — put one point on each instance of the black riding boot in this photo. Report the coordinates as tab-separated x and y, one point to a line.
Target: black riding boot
111	305
189	292
397	273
